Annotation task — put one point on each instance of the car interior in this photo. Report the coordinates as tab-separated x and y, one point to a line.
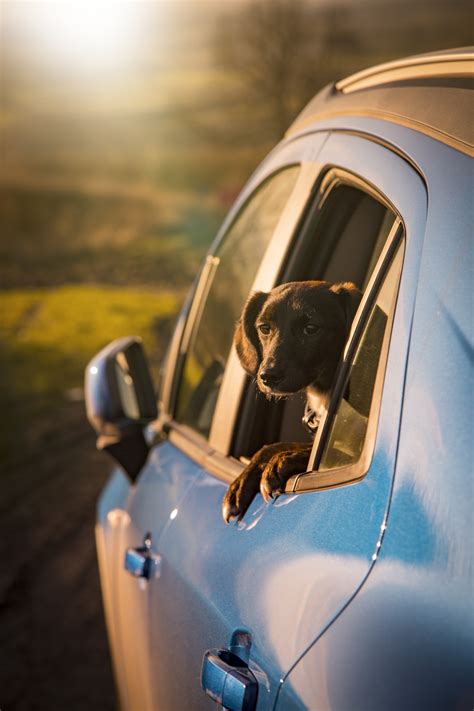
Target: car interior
340	239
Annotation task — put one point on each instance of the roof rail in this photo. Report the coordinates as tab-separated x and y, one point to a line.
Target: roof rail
441	64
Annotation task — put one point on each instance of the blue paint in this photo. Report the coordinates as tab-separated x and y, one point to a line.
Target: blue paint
358	597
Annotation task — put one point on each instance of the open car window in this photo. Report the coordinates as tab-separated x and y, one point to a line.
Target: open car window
345	443
227	280
344	233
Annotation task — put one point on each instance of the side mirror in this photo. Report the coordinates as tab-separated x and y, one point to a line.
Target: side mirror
120	401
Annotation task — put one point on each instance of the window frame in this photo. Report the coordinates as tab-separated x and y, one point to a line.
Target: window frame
319	150
195	301
210	268
329	179
234	380
315	479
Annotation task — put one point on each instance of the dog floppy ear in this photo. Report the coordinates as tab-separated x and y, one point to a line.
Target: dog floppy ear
246	337
350	297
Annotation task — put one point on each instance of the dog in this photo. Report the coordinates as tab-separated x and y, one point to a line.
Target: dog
290	339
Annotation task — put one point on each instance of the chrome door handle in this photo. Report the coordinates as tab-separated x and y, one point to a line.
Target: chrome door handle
226	676
141	562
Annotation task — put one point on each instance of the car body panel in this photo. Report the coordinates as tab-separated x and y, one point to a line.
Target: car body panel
111	516
416	606
126	513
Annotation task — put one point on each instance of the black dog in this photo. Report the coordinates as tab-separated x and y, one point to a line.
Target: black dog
290	339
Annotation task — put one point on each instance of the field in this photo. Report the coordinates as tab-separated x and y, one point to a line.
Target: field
79	269
49	334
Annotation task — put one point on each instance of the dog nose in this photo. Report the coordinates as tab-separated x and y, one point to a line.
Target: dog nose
270	377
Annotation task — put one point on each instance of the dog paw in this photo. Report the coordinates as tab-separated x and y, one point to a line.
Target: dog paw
272	484
240	494
277	472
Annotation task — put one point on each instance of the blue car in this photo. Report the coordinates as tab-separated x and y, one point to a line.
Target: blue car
353	590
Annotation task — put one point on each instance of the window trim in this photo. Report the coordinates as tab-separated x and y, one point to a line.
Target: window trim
314	479
335	176
195	446
330	178
234	380
195	302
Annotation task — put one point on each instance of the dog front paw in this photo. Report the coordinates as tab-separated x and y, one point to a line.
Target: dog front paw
240	494
278	470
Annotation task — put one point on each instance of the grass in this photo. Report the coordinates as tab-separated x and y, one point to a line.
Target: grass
47	336
81	265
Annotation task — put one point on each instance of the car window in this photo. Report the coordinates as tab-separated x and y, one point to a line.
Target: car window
341	240
233	270
348	431
345	235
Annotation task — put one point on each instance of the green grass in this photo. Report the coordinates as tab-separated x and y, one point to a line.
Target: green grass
79	268
74	322
47	336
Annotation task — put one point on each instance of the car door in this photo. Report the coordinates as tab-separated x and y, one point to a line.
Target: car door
269	207
289	568
406	641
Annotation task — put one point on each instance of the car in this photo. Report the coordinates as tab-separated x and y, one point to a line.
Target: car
353	589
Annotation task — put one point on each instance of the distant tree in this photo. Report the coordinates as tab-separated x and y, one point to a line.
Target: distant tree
276	49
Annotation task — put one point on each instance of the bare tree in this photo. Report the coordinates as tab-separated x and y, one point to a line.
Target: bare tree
275	48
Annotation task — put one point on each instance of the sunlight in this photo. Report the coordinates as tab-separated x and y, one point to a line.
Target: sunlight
86	32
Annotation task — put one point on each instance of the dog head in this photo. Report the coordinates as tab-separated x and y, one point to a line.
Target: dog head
293	336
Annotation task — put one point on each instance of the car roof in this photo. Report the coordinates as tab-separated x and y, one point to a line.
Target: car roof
431	93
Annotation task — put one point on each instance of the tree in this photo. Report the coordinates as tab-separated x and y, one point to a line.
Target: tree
275	49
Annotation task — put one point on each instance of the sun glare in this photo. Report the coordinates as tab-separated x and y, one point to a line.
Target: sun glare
86	32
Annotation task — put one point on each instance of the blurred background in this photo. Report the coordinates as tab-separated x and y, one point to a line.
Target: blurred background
127	129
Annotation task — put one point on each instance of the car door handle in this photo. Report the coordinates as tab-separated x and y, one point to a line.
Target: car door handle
227	679
141	562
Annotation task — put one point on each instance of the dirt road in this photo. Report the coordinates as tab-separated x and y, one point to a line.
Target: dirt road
53	646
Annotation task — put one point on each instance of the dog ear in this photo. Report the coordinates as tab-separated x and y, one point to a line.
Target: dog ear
350	297
246	340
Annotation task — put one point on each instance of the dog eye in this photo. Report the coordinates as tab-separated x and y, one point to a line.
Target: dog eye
264	328
310	329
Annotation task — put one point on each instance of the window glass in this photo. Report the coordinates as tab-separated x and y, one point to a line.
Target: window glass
235	266
348	431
